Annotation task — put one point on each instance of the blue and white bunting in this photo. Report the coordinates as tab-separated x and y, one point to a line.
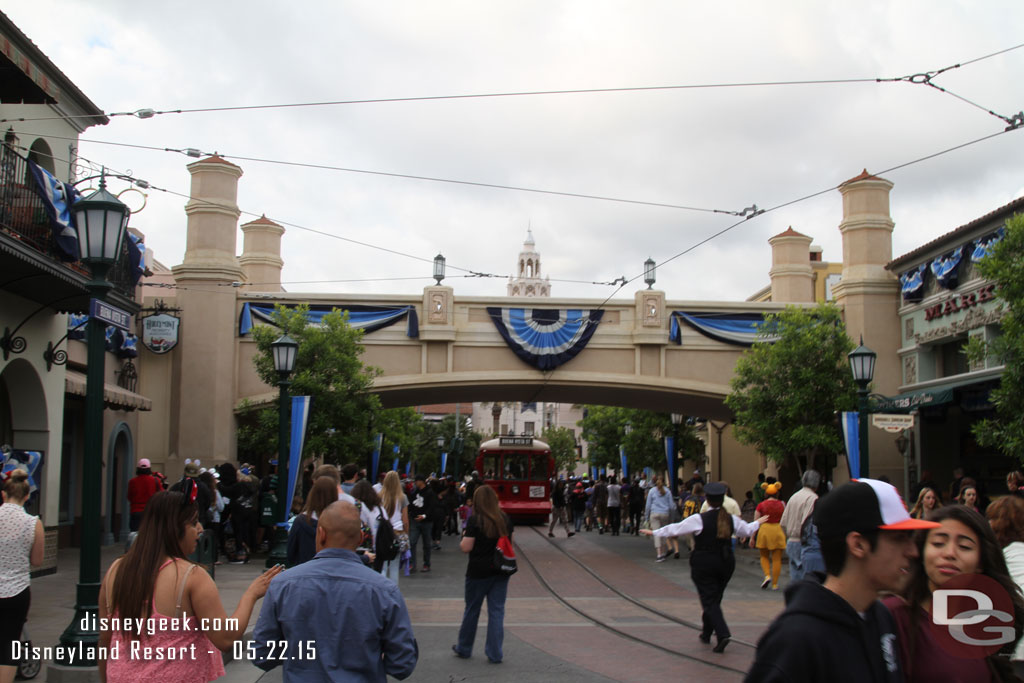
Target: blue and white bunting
983	245
57	200
741	329
366	318
912	283
545	338
945	270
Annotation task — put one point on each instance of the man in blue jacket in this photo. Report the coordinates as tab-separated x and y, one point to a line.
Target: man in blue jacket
839	631
333	618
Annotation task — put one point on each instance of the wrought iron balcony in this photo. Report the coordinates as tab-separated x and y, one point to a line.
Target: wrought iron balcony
24	223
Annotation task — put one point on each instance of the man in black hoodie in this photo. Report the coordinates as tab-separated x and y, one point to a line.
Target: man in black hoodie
839	631
421	521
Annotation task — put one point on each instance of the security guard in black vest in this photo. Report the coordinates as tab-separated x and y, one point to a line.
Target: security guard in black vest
711	560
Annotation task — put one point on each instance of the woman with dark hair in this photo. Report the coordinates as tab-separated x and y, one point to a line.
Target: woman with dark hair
926	505
302	535
367	501
484	528
152	595
963	543
1015	483
21	547
1006	517
969	497
711	562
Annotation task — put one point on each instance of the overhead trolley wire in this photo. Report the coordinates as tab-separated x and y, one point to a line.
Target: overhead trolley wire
146	113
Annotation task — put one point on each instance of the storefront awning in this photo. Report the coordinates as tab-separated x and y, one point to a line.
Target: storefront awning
113	395
973	396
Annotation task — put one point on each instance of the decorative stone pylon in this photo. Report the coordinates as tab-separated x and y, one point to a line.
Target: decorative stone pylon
261	255
203	396
791	273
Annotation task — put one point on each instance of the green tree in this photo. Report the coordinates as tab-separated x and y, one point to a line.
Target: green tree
785	393
1005	266
562	441
604	429
328	369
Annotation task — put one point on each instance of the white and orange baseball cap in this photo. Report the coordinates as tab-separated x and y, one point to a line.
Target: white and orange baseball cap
863	505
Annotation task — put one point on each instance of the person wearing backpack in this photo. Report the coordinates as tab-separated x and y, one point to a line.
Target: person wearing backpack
394	507
484	530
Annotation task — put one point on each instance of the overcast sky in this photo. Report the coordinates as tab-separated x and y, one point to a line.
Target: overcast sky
716	148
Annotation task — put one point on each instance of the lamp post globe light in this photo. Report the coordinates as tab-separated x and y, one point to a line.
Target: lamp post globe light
101	220
439	268
862	364
284	351
650	268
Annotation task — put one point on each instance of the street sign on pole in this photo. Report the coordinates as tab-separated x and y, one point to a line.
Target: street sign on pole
112	315
892	422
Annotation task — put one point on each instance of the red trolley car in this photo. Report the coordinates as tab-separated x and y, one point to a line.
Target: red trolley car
519	469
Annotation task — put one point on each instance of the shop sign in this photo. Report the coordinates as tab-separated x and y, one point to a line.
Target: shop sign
960	302
892	422
160	332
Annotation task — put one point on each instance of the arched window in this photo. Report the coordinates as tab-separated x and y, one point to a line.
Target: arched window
40	153
529	268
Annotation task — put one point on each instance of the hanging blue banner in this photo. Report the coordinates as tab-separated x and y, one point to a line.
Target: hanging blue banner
376	456
408	467
741	329
670	459
444	462
300	415
394	465
622	457
545	338
366	318
593	472
851	436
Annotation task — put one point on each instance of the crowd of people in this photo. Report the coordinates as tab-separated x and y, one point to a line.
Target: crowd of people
864	571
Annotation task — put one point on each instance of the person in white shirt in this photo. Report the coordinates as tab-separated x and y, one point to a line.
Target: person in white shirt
793	517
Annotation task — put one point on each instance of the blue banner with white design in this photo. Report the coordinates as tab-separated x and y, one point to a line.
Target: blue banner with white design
444	463
945	270
741	329
300	415
57	199
366	318
375	465
851	437
670	458
622	459
912	283
545	338
983	245
394	465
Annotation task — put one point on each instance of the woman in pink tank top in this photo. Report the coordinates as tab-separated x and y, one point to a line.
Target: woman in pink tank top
158	617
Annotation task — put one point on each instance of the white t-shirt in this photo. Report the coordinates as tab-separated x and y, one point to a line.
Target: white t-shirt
396	516
368	516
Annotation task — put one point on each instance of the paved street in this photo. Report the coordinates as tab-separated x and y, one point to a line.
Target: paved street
545	639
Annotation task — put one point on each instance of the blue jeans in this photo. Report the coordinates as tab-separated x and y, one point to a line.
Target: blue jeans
577	520
417	531
796	566
494	588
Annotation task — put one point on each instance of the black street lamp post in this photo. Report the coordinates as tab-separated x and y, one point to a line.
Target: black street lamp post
101	220
284	351
862	364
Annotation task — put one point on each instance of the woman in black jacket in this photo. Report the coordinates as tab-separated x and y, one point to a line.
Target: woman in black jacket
302	535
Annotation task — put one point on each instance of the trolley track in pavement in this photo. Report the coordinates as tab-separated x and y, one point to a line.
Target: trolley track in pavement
523	555
639	603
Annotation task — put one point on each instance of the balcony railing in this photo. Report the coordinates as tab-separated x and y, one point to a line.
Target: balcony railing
23	218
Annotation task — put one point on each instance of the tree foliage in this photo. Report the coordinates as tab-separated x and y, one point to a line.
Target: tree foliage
785	393
328	369
1005	266
604	430
562	442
